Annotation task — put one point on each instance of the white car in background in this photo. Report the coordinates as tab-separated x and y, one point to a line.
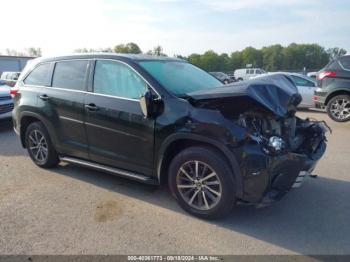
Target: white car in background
306	87
247	73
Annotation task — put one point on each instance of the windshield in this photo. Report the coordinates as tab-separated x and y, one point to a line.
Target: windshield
180	78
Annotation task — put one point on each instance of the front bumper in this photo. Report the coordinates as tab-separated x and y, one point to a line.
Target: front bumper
267	179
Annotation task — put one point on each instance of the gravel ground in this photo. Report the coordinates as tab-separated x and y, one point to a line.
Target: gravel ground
73	210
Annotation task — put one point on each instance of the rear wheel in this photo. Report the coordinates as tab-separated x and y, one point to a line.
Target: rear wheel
40	147
202	182
338	108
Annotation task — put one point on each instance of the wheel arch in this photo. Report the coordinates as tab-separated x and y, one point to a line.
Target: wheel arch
178	142
26	119
337	93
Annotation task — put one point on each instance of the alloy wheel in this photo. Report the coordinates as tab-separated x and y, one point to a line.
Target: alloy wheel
199	185
38	146
340	109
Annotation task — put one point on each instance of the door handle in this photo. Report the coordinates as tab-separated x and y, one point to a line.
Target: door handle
44	97
91	107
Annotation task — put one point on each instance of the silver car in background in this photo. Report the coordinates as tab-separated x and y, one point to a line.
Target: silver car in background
306	87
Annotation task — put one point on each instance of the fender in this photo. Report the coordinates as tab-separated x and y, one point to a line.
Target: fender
341	89
50	129
221	147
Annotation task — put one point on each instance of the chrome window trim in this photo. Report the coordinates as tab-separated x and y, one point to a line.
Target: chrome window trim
133	69
88	92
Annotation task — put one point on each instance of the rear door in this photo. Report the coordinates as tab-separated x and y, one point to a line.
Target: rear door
62	104
118	133
306	88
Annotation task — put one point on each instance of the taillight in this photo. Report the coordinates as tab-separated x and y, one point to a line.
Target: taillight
13	91
324	74
315	98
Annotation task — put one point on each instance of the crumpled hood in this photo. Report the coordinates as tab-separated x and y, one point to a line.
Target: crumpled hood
275	92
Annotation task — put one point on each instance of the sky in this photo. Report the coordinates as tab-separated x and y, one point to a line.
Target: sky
179	26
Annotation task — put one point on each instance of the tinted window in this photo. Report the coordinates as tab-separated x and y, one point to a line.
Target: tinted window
40	76
70	74
180	78
345	62
116	79
302	82
251	71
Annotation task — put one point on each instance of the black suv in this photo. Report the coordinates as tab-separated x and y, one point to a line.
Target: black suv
334	89
156	119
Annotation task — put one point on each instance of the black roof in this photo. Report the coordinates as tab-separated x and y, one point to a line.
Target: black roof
130	57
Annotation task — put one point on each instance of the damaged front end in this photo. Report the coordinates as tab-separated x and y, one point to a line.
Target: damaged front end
279	148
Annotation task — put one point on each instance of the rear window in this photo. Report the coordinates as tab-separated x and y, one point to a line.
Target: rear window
345	62
70	74
40	76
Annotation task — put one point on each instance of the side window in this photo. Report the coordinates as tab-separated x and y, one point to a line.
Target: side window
345	62
251	71
302	82
257	71
116	79
247	71
70	74
40	76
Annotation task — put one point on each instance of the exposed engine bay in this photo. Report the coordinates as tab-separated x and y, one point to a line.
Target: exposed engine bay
279	135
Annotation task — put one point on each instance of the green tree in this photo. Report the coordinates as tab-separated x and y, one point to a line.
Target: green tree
335	52
129	48
157	51
236	61
272	57
252	56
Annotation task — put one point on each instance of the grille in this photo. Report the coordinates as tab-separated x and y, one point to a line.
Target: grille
6	108
5	98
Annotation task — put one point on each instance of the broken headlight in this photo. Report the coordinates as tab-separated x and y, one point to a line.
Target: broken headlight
275	145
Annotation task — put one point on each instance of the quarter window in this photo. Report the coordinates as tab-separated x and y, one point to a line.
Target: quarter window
345	62
116	79
70	74
40	76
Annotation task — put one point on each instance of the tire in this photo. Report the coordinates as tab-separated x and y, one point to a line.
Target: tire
338	108
203	206
37	139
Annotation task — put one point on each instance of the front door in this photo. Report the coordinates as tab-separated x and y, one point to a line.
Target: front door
118	133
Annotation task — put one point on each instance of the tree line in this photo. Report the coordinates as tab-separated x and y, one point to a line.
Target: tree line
270	58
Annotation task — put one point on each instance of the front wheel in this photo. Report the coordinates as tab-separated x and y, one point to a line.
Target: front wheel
40	147
202	182
338	108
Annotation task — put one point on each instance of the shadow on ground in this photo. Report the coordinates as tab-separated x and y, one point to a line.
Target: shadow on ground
9	142
309	220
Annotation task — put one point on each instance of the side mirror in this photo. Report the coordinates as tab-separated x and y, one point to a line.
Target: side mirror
146	103
151	104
